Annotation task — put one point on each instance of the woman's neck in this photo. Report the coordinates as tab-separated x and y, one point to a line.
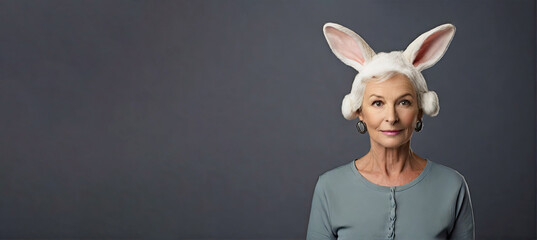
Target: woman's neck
390	161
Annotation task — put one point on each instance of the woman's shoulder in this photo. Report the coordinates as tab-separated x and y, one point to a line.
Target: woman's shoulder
337	174
445	174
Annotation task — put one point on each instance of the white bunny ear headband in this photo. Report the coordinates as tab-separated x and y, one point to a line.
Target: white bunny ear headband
421	54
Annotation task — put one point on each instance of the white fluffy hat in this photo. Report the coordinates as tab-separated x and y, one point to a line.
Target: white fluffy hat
421	54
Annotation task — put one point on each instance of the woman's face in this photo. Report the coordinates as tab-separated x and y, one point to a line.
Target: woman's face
390	111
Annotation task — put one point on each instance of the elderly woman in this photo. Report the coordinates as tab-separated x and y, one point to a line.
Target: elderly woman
391	192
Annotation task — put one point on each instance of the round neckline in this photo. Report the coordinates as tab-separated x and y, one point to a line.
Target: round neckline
393	188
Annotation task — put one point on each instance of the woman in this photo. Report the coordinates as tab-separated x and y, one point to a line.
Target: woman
391	192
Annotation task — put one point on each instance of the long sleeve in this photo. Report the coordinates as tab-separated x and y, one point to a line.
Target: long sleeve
319	227
464	216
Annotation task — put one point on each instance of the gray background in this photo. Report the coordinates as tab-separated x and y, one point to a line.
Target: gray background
213	119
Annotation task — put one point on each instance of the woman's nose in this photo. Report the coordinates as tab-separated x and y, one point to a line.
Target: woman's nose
391	115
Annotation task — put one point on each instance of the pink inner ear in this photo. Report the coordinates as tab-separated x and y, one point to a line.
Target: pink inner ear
345	45
433	46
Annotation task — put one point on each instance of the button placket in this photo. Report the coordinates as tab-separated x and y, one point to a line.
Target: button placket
391	223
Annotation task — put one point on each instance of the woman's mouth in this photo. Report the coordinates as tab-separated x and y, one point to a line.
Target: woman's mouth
391	132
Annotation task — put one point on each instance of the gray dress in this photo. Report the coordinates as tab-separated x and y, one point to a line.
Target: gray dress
435	205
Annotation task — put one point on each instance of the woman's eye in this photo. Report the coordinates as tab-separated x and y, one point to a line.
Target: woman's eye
405	102
377	103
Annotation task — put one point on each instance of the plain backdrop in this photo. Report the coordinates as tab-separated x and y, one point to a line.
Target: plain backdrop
213	119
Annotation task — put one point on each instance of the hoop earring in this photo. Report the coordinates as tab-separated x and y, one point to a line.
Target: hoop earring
419	126
362	128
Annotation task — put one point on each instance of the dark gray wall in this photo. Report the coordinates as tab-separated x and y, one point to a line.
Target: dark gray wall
213	119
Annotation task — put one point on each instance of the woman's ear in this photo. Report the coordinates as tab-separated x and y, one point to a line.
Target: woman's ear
360	115
420	114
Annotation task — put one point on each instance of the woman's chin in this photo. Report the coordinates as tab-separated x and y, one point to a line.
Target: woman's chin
392	143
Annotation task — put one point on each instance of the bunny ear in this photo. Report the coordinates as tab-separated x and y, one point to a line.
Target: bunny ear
350	48
428	48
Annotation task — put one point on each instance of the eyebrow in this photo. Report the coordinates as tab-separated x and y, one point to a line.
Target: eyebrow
404	95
